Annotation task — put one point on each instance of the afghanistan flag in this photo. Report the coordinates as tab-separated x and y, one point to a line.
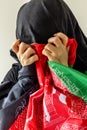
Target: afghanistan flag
60	102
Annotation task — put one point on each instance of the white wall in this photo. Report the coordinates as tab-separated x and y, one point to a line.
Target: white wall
79	8
8	12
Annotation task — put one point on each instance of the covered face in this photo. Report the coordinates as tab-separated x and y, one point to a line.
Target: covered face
38	20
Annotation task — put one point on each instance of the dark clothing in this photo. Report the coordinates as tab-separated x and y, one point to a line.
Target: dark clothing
15	89
22	78
37	21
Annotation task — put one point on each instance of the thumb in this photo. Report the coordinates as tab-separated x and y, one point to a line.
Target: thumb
15	46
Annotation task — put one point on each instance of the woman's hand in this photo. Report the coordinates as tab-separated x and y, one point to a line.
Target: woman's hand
25	53
56	49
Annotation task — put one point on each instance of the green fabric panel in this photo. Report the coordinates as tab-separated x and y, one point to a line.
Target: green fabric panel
75	81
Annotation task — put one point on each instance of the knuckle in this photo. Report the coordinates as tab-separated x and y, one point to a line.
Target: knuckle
25	62
55	39
22	45
54	55
34	58
30	49
47	46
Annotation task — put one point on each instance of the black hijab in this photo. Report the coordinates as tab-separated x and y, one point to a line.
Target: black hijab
38	20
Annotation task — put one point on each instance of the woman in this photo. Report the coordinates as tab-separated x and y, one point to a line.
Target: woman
36	23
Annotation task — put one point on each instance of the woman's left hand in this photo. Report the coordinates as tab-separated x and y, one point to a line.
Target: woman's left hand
56	49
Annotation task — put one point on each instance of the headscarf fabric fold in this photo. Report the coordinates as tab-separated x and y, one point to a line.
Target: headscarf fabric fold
38	20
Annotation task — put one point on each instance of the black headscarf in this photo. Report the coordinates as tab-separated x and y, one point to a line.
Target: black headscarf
38	20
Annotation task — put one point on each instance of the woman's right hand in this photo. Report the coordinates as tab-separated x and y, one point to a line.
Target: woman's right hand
25	53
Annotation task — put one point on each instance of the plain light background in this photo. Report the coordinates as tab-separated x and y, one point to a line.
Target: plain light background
8	13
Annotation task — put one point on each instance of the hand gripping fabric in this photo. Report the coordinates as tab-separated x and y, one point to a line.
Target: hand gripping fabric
60	103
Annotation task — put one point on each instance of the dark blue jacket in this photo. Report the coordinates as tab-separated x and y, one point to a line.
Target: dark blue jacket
15	89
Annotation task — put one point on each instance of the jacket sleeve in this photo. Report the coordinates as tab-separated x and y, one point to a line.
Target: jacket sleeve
9	80
25	80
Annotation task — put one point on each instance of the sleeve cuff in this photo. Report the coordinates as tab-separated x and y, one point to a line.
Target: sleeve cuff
27	71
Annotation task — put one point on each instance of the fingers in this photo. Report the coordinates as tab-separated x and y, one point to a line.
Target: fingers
55	46
15	46
25	53
29	52
55	41
30	60
56	49
50	56
28	57
50	47
62	37
23	47
58	39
